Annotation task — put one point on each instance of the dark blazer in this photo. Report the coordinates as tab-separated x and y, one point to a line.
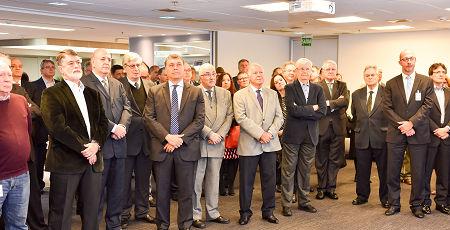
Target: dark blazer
35	111
339	106
369	128
191	120
138	137
300	113
34	90
117	110
67	130
396	109
435	118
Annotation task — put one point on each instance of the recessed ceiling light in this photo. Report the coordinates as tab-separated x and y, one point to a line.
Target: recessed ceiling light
36	27
447	9
139	35
3	33
397	27
163	34
399	20
299	33
57	3
269	7
189	33
347	19
167	17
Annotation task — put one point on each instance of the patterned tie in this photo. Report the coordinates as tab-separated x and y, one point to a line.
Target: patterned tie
259	97
209	92
408	87
369	102
136	85
105	84
174	112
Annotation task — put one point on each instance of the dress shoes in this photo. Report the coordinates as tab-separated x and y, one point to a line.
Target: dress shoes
199	224
392	210
147	218
307	208
332	195
221	220
417	212
271	219
443	209
243	220
358	201
385	204
426	209
320	195
231	193
287	211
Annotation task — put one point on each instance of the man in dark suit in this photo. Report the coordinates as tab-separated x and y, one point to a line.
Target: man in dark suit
175	115
77	126
439	148
40	137
242	68
138	143
407	104
332	128
305	105
370	126
117	110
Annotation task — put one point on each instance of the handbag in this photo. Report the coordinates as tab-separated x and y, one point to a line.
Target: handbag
232	139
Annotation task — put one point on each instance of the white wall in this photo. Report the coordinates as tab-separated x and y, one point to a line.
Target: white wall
267	50
321	49
383	49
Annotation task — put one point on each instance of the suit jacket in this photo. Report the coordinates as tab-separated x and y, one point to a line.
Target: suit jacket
369	128
138	137
300	113
219	124
254	121
338	117
396	109
435	118
34	90
34	109
67	129
147	83
117	110
191	120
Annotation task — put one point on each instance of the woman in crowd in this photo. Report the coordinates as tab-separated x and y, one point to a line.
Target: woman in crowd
231	159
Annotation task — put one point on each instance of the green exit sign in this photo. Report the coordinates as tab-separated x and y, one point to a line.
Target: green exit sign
306	41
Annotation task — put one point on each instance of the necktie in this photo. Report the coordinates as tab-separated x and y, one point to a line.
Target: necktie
369	102
136	85
408	87
174	111
259	97
105	84
305	88
330	87
209	97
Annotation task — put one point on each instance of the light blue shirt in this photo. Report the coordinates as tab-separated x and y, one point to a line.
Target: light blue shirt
405	84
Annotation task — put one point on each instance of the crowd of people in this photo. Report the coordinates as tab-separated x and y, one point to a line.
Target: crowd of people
101	128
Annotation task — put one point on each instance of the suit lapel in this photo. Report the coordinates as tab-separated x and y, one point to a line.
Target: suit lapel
378	100
266	95
299	90
326	89
447	97
335	89
185	95
166	95
363	100
99	86
252	95
436	102
414	89
401	87
71	98
134	105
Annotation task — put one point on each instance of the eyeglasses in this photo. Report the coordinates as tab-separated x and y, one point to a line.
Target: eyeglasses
407	59
209	74
134	66
439	72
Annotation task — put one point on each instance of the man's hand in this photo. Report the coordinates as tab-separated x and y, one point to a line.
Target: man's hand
174	140
441	132
316	107
410	132
214	138
405	126
265	138
280	133
91	149
120	132
92	159
169	148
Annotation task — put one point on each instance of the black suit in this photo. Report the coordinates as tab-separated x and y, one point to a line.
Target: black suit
191	120
40	133
299	148
117	110
69	169
416	110
332	130
438	152
138	154
370	141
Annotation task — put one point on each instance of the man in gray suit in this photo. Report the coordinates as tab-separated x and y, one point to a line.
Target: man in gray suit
175	115
117	110
258	112
305	104
218	117
138	143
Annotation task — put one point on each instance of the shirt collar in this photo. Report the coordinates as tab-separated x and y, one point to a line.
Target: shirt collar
331	82
374	90
46	81
133	83
180	84
5	98
254	88
204	89
413	75
74	87
100	79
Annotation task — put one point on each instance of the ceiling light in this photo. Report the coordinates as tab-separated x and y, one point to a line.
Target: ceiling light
3	33
347	19
397	27
57	3
447	9
299	33
189	33
269	7
59	48
163	34
399	20
139	35
167	17
36	27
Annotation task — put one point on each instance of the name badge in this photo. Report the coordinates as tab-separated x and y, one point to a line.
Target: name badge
418	96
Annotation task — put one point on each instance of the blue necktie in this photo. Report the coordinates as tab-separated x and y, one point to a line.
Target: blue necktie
408	87
174	112
260	99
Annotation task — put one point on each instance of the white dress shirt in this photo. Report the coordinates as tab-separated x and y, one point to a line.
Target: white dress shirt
77	91
374	95
441	100
48	83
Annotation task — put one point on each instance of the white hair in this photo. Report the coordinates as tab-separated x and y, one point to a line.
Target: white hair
205	67
131	56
